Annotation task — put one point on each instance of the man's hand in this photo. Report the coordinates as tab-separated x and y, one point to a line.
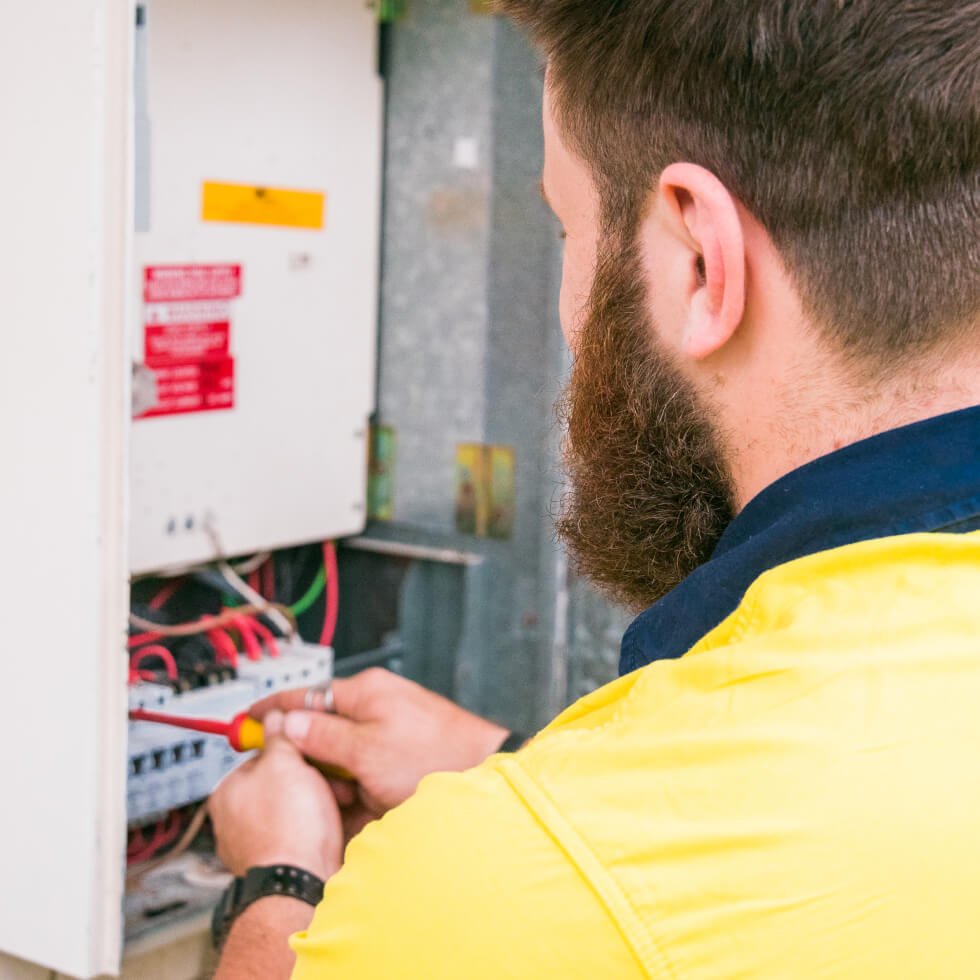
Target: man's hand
277	809
388	733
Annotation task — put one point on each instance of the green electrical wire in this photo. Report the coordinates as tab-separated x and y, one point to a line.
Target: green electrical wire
312	594
301	605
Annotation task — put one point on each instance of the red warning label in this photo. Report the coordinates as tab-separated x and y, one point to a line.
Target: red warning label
166	342
194	386
187	337
183	283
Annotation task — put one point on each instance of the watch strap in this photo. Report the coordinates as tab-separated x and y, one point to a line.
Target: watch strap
264	882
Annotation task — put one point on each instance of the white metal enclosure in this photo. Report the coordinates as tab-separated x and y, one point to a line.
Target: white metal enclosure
277	93
65	244
262	94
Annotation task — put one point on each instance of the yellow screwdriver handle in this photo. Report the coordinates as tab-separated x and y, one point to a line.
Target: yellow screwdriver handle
247	735
251	735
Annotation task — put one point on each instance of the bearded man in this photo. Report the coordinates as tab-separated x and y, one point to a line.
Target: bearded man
772	294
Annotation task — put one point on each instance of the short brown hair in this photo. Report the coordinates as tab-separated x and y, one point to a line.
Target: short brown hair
849	128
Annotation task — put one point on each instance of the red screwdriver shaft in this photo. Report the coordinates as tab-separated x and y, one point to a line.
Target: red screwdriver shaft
193	724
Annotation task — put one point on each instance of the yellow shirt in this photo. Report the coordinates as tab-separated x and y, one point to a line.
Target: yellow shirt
798	796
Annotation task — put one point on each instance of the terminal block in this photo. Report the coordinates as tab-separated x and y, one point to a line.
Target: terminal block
170	767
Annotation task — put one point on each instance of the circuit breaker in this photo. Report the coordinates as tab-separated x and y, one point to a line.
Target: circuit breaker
257	197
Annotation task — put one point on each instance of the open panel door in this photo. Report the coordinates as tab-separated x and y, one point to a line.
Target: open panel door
65	252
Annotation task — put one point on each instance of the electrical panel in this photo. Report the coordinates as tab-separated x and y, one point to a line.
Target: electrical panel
170	768
258	133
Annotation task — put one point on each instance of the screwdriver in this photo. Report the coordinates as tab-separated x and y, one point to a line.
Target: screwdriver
244	733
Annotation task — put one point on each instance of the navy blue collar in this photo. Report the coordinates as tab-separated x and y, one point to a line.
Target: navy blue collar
922	477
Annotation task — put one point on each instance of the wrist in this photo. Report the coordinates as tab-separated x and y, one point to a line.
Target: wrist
281	909
487	740
257	942
292	887
323	864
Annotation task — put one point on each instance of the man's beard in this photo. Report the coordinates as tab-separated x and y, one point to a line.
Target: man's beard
650	493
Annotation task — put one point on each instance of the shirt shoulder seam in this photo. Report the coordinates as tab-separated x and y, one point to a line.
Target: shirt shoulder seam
645	948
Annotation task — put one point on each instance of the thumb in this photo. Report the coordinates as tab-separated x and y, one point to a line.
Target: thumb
276	742
328	739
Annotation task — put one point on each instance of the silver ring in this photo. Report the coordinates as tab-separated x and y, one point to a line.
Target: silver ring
320	698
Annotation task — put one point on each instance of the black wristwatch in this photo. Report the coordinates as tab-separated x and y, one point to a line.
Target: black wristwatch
279	879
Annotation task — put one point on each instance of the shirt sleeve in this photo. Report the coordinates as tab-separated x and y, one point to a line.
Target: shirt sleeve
461	881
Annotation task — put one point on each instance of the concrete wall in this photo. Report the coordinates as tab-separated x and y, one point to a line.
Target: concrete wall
471	349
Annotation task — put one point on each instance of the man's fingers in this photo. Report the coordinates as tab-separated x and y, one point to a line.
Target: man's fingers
358	698
279	748
345	793
283	701
324	738
351	698
348	697
367	695
355	820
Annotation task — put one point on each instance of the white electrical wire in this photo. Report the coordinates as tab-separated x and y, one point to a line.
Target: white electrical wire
252	564
242	568
254	598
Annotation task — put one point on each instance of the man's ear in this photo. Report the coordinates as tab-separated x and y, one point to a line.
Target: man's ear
703	230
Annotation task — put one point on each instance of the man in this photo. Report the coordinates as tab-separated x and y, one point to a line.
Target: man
772	293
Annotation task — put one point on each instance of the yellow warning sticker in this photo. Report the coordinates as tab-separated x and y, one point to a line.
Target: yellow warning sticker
485	490
252	205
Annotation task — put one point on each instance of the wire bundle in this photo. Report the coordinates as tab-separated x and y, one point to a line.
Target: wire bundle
139	849
143	856
203	647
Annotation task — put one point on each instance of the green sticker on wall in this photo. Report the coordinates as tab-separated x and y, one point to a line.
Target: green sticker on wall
391	10
381	474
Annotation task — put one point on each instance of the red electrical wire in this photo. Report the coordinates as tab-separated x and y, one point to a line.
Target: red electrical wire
224	646
333	594
205	623
141	639
147	851
136	841
269	580
135	676
155	651
166	832
165	594
252	648
265	635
